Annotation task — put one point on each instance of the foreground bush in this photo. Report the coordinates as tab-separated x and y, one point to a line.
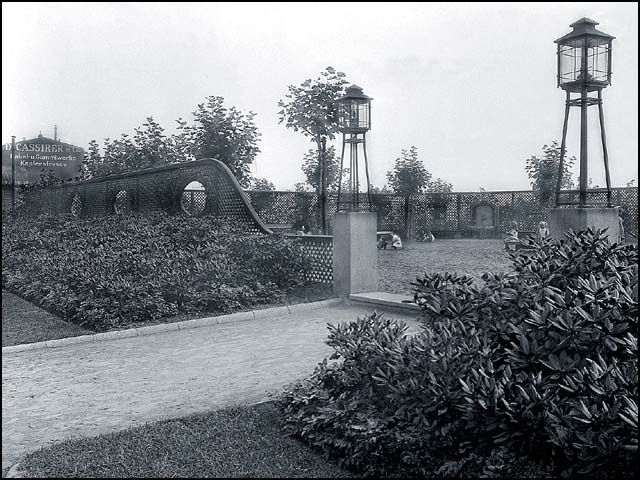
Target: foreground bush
532	374
114	271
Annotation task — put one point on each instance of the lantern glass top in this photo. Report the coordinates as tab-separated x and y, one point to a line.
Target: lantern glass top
584	57
354	111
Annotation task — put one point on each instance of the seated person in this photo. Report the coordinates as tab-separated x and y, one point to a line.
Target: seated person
396	242
542	232
512	236
299	227
425	236
382	244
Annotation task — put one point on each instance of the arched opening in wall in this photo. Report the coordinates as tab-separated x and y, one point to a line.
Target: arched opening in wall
76	205
121	204
194	198
484	220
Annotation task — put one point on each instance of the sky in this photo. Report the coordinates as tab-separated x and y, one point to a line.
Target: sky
471	85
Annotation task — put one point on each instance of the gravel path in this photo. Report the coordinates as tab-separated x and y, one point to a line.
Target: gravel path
87	389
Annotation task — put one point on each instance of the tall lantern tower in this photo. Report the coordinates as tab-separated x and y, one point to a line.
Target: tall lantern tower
584	66
354	121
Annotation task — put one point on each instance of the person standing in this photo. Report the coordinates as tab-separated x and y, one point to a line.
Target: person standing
542	232
621	233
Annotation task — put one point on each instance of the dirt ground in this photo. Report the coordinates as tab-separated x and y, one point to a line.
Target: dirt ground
397	268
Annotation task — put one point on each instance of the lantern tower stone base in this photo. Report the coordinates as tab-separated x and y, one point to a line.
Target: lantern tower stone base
355	255
560	220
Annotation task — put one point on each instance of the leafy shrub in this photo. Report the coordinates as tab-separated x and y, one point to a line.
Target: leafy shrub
115	271
533	373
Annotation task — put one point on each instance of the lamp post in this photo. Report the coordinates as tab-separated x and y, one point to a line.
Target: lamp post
355	268
584	65
354	121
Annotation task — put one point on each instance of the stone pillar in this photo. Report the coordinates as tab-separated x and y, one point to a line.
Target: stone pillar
355	255
561	219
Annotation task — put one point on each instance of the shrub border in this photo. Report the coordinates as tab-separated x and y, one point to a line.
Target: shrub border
167	327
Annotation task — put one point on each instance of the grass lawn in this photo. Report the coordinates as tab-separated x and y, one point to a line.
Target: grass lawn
234	442
397	268
23	322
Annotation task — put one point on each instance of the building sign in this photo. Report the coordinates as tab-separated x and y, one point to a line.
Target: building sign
40	156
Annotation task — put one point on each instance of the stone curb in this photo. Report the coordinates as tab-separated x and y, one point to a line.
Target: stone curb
272	312
167	327
391	302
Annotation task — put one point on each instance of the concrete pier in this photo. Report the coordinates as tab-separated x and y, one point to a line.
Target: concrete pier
355	264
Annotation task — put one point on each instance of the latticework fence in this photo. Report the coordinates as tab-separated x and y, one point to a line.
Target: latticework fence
444	214
154	190
319	250
164	189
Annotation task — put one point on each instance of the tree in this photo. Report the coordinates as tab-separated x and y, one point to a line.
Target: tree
92	161
261	196
409	175
217	132
310	109
262	184
152	148
300	187
225	134
543	172
148	148
384	189
439	201
311	168
439	185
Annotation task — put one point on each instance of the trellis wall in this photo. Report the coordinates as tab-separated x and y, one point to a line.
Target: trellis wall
153	190
319	250
445	214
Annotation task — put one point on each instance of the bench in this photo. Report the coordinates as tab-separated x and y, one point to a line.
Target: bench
511	245
279	227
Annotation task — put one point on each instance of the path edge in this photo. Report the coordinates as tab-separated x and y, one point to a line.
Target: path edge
168	327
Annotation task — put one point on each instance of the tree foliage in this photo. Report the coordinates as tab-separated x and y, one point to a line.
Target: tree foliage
225	134
262	184
310	108
311	168
148	148
300	187
543	172
439	185
409	176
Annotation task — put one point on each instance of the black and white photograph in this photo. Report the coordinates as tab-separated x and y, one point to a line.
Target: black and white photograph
320	240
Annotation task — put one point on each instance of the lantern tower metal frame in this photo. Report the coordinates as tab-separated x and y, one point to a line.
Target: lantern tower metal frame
584	65
354	120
